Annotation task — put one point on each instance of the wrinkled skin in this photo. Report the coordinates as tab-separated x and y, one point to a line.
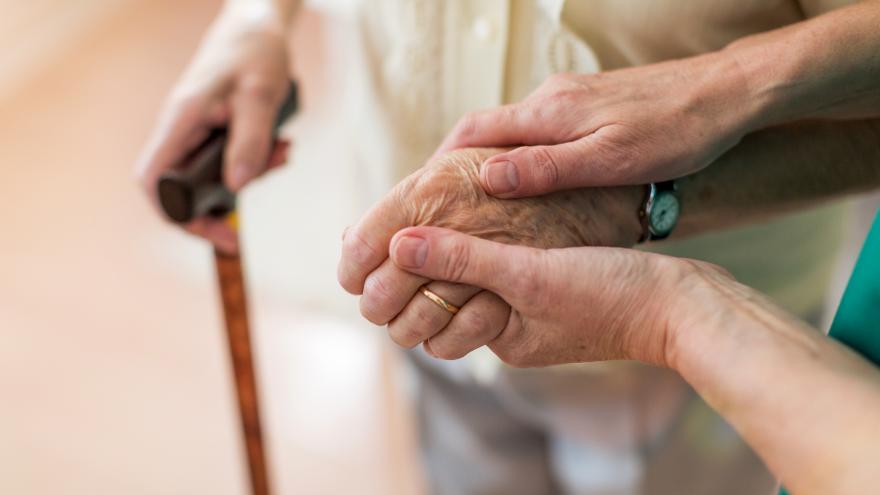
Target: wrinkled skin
447	193
238	80
806	403
631	295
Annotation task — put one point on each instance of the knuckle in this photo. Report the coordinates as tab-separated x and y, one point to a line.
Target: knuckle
542	110
547	170
258	89
376	301
355	247
528	283
456	263
369	313
558	85
509	111
511	355
478	323
446	352
414	187
348	279
553	82
619	151
556	99
521	351
428	315
454	166
406	335
413	327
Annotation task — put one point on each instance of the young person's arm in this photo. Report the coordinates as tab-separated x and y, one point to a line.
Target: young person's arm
825	67
670	119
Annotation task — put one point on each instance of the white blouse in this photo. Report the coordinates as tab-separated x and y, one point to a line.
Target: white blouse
422	64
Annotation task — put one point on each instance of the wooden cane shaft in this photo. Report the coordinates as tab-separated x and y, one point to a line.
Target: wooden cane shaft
232	293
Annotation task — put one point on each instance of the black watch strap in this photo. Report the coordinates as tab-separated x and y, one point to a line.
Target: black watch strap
667	185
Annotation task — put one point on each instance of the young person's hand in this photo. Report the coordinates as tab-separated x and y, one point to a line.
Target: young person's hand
629	126
238	78
667	120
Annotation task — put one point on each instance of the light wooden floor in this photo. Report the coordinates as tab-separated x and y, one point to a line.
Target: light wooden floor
113	369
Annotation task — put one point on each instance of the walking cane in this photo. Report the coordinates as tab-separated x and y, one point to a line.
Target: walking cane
196	189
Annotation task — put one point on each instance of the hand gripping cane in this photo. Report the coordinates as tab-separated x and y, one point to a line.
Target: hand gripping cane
195	189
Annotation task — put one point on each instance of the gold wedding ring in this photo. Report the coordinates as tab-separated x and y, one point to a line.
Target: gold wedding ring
439	301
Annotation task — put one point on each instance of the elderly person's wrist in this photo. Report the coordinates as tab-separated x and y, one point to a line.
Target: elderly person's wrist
694	291
624	204
662	308
713	319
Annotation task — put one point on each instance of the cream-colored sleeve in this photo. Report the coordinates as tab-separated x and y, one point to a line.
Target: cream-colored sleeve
812	8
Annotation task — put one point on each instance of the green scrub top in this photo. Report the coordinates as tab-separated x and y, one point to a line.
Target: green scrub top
857	322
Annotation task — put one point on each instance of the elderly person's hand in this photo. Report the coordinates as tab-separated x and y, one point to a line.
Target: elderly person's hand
446	193
238	79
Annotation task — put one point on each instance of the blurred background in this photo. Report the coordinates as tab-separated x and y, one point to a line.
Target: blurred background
114	375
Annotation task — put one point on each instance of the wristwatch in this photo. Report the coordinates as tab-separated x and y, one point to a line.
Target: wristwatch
660	211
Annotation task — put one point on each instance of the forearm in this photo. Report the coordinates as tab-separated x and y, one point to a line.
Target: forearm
828	66
769	173
809	406
780	170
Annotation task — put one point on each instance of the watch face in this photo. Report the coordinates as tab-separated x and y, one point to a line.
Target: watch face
664	213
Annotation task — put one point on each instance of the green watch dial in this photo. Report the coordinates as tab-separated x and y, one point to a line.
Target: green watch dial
664	213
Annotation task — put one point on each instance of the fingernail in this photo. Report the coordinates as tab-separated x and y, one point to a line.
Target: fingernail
411	252
501	177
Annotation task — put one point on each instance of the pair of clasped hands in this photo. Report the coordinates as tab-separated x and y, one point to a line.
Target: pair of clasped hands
506	221
497	222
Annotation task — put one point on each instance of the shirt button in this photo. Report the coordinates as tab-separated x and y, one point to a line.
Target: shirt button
483	29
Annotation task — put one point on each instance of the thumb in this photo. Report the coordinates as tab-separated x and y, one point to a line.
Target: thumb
507	125
536	170
442	254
